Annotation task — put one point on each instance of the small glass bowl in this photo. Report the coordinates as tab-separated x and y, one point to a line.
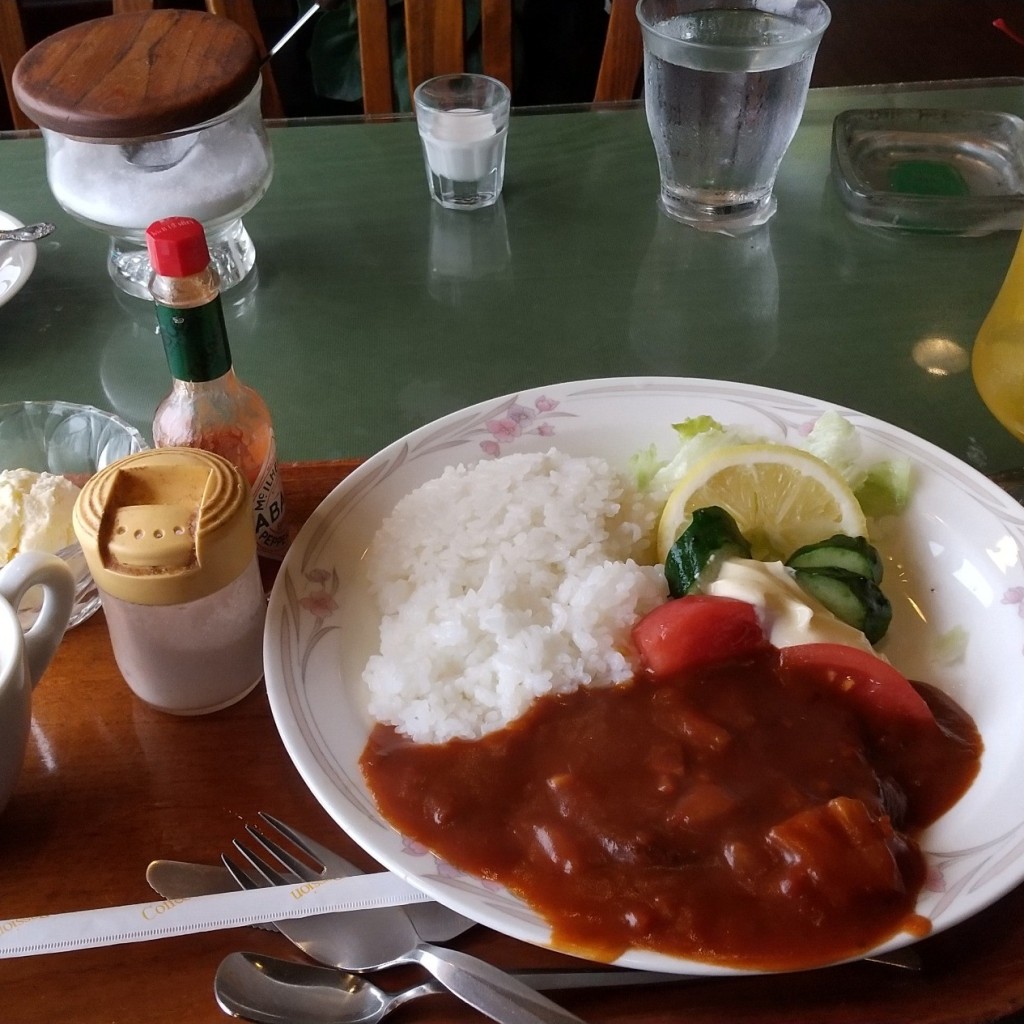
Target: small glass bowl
934	170
68	440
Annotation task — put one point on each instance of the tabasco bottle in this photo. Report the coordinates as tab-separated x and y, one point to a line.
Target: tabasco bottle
209	407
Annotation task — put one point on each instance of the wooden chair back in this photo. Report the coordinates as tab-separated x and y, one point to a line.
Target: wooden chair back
434	31
434	34
13	47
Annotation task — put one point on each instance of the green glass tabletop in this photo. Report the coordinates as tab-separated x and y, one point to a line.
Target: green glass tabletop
373	311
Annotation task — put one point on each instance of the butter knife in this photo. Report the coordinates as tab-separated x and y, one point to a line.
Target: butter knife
179	879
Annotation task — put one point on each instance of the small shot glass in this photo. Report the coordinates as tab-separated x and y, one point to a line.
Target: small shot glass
463	124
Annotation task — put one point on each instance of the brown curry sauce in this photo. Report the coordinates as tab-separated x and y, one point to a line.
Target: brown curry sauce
729	815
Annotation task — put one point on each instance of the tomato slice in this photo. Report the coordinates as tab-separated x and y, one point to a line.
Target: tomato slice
877	690
696	630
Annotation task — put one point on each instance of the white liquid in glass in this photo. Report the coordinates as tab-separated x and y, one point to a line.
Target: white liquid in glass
462	144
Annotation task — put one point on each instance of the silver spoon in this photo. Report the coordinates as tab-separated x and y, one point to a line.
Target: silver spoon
271	991
388	938
323	5
29	233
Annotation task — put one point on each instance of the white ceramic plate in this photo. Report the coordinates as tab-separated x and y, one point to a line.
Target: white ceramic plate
953	560
17	260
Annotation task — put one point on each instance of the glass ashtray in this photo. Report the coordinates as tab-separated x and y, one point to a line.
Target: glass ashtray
946	171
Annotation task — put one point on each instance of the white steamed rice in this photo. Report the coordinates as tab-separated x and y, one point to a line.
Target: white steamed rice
503	581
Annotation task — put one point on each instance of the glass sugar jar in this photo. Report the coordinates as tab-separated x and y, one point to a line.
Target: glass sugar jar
150	115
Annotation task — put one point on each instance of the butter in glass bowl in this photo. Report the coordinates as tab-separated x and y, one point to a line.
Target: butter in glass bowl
48	450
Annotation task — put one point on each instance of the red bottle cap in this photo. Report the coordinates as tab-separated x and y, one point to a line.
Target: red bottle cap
177	247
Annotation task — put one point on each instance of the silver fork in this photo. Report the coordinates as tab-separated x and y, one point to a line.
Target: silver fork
386	937
434	921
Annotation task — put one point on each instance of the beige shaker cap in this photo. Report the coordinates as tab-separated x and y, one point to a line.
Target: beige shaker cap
166	526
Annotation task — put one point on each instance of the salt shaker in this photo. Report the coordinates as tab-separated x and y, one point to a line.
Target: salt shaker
168	537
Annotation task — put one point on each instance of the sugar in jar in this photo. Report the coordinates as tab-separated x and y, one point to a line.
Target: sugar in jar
168	537
152	114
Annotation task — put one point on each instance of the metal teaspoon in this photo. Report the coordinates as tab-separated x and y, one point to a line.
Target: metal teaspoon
29	233
271	991
323	5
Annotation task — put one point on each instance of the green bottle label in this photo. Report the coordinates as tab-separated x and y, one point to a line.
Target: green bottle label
195	341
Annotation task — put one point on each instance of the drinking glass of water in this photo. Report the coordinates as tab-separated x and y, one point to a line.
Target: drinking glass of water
725	85
463	122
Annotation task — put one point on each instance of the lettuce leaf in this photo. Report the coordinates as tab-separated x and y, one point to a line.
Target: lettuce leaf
882	488
644	466
951	647
834	440
698	436
885	489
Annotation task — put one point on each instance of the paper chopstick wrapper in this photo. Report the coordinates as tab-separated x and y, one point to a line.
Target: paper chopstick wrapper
141	922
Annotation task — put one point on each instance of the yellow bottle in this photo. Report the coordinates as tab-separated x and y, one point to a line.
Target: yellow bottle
998	358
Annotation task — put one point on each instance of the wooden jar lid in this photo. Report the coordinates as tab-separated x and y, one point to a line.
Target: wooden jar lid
129	76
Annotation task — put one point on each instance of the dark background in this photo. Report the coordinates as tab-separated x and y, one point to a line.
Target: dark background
869	41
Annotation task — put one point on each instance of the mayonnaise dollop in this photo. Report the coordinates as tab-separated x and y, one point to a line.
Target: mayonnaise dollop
788	615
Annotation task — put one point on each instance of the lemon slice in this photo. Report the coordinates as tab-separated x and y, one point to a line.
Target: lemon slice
780	497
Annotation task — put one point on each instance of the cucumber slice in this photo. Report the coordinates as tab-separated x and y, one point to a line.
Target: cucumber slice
854	554
711	536
850	597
